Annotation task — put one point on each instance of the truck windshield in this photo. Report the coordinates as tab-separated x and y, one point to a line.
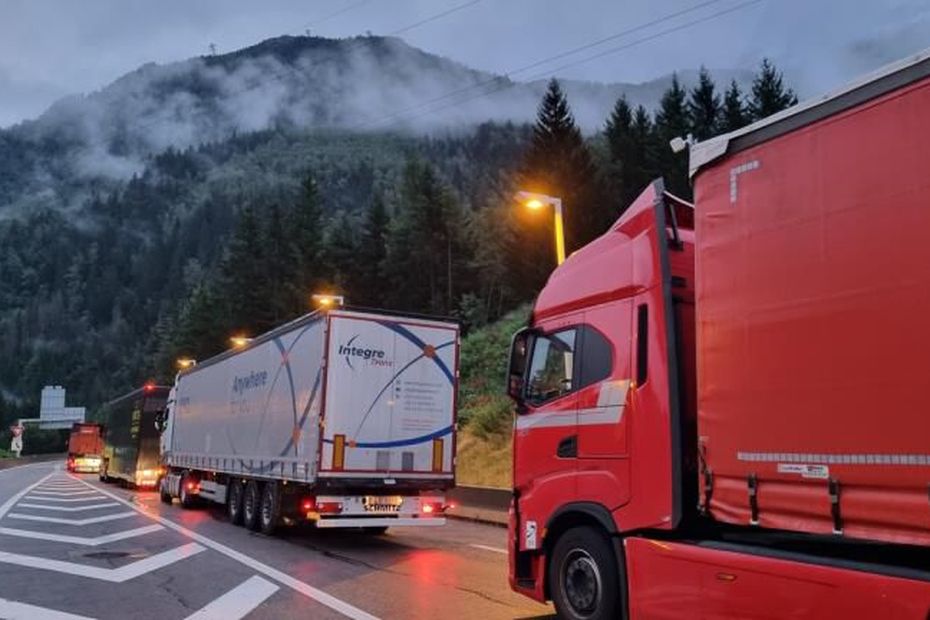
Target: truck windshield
551	365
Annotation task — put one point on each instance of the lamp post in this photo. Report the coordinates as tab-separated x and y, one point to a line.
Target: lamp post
186	362
533	200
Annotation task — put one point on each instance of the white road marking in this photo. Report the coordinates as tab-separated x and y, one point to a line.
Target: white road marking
63	493
21	611
89	498
238	602
113	575
88	521
307	590
66	508
492	549
5	508
81	540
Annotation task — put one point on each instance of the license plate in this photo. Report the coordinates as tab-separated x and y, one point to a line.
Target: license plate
382	504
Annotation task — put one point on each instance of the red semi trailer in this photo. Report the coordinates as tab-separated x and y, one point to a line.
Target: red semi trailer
721	408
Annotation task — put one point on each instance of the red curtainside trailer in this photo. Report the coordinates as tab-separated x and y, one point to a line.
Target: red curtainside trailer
720	407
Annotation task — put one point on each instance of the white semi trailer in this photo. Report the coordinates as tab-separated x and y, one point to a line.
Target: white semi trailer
343	418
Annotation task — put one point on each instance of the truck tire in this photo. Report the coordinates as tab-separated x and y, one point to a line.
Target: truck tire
251	505
187	499
234	501
163	493
584	579
269	514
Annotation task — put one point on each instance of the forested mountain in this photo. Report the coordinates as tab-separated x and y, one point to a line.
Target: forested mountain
186	202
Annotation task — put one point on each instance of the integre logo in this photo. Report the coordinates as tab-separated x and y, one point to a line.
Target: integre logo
249	381
350	351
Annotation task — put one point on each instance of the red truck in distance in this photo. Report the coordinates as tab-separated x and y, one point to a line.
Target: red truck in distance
721	408
85	448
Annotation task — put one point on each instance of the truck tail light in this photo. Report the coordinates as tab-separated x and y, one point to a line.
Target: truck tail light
339	452
438	449
431	508
308	505
329	507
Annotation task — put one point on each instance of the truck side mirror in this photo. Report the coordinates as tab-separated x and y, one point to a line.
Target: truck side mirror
516	372
160	419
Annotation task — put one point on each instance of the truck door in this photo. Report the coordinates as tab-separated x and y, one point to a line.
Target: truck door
546	438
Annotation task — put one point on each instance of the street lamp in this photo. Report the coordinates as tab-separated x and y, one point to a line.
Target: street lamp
328	301
186	362
535	201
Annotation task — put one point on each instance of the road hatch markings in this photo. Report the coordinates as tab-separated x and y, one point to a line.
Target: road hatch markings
492	549
66	508
113	575
5	508
238	602
81	540
63	493
295	584
21	611
89	498
88	521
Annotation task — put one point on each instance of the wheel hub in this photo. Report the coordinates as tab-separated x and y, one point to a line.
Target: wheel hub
582	582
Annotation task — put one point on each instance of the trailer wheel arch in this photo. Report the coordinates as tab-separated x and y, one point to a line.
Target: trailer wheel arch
580	514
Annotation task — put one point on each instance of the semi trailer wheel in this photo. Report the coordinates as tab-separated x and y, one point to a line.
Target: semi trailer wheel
251	505
163	493
584	580
188	499
270	510
234	502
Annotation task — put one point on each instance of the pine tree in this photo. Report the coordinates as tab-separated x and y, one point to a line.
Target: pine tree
623	157
672	121
372	251
559	163
340	255
704	108
279	269
244	281
734	114
769	94
645	143
306	238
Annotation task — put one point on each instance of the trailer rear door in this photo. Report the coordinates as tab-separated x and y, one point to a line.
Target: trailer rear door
389	404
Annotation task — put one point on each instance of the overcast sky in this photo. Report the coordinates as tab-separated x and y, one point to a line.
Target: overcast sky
52	48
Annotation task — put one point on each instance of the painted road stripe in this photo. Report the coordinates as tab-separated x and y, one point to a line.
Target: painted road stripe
307	590
113	575
492	549
238	602
66	508
88	521
89	498
5	508
81	540
12	610
63	493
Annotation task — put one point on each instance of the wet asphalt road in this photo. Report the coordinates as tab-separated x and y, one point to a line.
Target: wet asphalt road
72	547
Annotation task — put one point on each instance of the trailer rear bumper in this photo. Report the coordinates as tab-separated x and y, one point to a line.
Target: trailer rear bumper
380	522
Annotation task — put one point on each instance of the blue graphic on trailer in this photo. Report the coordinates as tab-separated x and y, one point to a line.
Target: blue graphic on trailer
426	351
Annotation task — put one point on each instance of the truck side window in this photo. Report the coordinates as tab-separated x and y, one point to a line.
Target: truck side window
596	357
551	366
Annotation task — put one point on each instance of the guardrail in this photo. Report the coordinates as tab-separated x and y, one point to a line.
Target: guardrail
482	504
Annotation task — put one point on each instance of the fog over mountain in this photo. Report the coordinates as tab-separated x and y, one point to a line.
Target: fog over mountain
362	84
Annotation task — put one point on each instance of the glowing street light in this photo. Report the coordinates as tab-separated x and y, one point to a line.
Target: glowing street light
239	341
536	201
328	301
186	362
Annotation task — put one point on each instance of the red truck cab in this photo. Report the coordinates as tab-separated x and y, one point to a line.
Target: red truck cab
720	409
85	447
